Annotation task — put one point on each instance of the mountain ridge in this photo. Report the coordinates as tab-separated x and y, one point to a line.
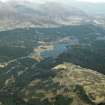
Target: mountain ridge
42	15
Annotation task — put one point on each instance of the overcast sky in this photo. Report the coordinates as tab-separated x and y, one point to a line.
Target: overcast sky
91	1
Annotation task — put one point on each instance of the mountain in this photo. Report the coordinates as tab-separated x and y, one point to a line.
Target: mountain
37	84
91	8
49	14
14	14
6	11
51	54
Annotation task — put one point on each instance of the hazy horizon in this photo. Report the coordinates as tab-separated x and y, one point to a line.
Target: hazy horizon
68	1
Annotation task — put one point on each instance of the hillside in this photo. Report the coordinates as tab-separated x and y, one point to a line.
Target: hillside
33	69
25	14
63	84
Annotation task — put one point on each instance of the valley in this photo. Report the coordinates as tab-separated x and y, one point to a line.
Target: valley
46	60
52	53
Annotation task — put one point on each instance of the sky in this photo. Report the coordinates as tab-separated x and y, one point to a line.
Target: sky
91	1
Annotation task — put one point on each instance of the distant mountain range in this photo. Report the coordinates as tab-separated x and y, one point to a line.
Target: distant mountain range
16	14
48	10
39	15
